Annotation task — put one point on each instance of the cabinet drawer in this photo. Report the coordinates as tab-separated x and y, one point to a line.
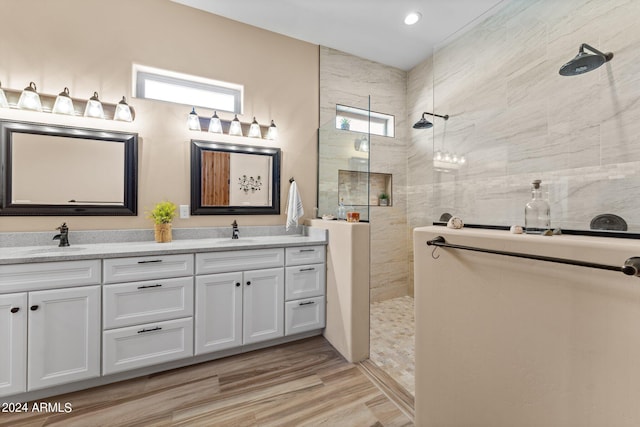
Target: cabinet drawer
304	315
129	304
222	262
147	268
305	255
48	275
304	281
145	345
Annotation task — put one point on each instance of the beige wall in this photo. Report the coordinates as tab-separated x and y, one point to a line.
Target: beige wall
504	341
90	45
349	80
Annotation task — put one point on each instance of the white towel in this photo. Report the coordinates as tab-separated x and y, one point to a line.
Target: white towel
294	206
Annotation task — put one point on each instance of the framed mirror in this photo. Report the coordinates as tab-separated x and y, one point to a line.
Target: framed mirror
60	170
229	179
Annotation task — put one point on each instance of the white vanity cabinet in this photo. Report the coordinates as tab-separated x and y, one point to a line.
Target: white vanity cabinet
49	337
305	294
148	319
234	308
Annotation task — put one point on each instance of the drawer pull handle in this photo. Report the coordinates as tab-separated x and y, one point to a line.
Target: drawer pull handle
248	282
149	261
308	269
14	310
157	285
307	303
307	250
157	328
238	284
33	307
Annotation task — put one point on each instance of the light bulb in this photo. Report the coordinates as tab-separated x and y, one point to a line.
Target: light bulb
235	128
193	121
215	125
462	160
254	130
63	104
94	107
438	155
123	112
272	133
447	157
29	98
3	98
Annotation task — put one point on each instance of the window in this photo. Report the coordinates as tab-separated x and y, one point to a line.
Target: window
360	120
163	85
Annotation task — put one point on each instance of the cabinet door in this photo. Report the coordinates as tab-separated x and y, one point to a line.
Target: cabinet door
263	315
13	344
64	336
218	312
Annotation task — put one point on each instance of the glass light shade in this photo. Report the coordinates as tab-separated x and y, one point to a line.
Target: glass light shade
215	125
235	128
94	107
193	121
123	112
462	160
29	98
254	130
272	133
447	157
438	155
64	104
364	145
3	99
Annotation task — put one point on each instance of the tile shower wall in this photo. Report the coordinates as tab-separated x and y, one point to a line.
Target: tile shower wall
515	119
348	80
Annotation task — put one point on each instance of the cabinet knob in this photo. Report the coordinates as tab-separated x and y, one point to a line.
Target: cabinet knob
33	307
15	309
238	284
248	282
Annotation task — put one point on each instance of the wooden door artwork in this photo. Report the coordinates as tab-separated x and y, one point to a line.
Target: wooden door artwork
215	178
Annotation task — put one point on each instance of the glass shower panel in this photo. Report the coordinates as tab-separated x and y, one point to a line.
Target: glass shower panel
343	168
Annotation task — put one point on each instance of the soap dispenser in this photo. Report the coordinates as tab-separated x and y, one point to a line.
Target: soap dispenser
537	216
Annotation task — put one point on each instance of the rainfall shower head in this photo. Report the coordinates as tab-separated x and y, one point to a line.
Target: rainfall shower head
426	124
585	62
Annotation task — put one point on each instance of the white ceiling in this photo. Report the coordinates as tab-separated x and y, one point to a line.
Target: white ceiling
371	29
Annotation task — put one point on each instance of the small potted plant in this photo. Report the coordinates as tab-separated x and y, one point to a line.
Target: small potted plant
345	123
383	199
162	215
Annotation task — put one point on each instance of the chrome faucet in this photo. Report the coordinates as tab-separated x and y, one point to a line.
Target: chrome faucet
63	236
235	233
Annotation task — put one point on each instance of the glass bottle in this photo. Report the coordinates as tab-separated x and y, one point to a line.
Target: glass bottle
537	216
342	211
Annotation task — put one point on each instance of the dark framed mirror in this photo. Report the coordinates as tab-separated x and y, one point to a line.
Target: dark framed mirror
230	179
62	170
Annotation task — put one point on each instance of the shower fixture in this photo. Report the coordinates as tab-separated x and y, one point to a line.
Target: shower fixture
426	124
585	62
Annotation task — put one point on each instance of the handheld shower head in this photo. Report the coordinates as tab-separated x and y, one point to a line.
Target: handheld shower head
585	62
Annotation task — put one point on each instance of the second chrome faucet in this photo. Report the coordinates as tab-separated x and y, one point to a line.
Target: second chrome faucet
235	234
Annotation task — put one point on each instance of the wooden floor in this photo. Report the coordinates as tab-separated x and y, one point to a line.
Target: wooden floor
306	383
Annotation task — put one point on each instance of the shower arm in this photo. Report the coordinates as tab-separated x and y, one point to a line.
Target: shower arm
607	56
446	116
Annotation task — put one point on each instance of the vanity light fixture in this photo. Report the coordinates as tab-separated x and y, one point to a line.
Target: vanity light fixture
235	128
64	104
193	121
29	98
3	98
254	129
272	133
445	162
412	18
94	107
215	125
123	112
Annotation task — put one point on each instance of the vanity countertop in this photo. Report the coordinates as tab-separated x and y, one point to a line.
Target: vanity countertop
31	254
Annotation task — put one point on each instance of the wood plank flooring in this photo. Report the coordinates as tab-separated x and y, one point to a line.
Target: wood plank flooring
305	383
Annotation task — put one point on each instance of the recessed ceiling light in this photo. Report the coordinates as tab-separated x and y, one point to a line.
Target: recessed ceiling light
412	18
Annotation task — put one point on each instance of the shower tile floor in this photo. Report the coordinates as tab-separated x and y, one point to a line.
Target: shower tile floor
392	339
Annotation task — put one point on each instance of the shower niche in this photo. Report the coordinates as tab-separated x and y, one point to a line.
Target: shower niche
358	188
